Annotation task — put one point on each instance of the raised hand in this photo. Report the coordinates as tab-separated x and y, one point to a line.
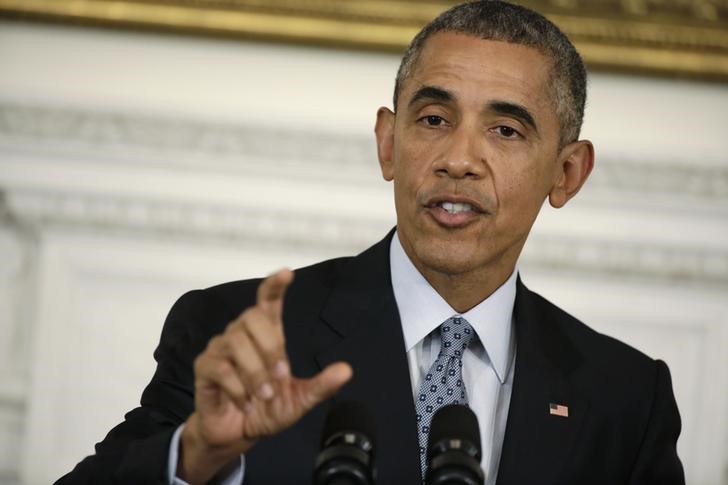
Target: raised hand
244	389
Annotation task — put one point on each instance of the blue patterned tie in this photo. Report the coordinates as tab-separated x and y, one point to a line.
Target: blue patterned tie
443	383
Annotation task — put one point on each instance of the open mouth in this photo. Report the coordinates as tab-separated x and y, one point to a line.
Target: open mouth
454	204
454	211
455	207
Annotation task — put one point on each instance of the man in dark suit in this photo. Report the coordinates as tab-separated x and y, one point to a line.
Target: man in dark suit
488	105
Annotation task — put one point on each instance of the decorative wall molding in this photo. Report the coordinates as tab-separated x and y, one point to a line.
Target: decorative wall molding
672	177
11	433
185	219
628	259
681	37
200	143
226	223
16	307
129	138
14	345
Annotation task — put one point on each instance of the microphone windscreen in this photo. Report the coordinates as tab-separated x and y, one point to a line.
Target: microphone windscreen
455	421
348	417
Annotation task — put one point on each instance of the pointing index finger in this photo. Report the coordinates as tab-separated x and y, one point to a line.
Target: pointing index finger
271	292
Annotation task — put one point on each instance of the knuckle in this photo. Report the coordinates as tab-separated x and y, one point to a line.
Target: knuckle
233	336
242	318
223	368
246	313
249	320
255	316
199	363
231	327
280	349
256	379
237	392
273	350
212	341
214	344
256	373
224	373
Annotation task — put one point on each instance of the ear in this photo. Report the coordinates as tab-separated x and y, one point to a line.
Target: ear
576	161
384	129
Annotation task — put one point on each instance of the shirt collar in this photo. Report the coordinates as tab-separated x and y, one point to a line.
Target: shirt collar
422	309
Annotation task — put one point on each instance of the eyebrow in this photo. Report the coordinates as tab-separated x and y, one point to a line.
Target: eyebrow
515	110
500	107
433	93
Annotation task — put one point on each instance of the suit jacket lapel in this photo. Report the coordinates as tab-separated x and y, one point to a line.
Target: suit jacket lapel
363	311
536	441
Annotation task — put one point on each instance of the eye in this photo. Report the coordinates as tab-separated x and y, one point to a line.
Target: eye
432	120
506	131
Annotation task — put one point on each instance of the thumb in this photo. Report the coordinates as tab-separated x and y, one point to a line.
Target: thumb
326	383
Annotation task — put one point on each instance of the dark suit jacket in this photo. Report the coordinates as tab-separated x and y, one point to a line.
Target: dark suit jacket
622	427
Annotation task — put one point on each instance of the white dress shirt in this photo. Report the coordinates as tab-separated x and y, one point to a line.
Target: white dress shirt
488	362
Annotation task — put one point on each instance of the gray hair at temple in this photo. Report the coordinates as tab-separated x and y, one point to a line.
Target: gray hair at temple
501	21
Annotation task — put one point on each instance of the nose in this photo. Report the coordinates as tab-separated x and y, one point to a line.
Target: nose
461	157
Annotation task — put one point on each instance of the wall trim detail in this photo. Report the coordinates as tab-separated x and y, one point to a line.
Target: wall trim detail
174	218
223	223
180	144
628	259
67	129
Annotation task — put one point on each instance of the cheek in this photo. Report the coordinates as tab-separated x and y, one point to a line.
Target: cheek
521	191
411	170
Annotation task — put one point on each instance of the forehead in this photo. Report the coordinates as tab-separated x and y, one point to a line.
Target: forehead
477	69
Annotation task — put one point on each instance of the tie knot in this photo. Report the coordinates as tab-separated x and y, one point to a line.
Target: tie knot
456	333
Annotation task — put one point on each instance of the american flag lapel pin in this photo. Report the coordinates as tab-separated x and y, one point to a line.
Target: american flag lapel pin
558	410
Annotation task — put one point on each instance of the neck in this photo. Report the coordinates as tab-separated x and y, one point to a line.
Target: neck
463	291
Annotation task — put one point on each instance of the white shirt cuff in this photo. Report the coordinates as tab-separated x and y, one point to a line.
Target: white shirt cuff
234	478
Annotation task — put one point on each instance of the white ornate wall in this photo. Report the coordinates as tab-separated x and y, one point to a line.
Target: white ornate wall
134	167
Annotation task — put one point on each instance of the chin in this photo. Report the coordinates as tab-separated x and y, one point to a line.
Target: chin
445	259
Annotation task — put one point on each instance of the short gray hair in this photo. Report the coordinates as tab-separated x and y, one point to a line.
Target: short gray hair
501	21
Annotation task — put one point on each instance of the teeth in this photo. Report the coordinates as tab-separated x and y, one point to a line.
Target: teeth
454	208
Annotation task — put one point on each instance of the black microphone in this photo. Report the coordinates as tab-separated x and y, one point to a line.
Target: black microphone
347	447
453	448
